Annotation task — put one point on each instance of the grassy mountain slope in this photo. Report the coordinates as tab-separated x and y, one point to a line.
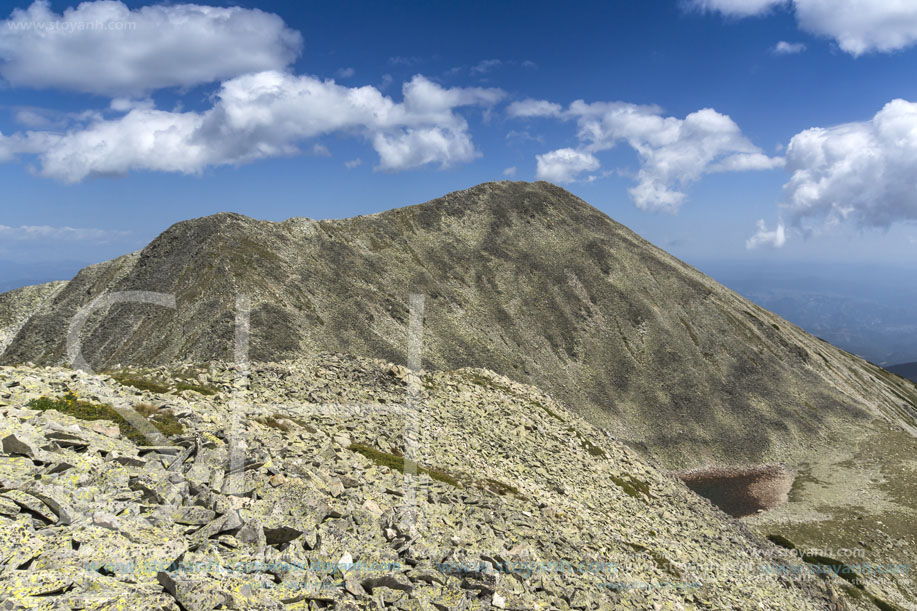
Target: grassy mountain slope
523	279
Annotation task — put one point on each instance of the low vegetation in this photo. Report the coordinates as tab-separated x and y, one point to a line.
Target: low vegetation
632	486
70	404
198	388
126	379
401	465
275	423
548	410
154	386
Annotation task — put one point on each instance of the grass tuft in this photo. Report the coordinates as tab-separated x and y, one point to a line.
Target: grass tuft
274	423
632	486
398	463
163	419
587	445
781	541
547	410
141	383
497	487
126	379
202	390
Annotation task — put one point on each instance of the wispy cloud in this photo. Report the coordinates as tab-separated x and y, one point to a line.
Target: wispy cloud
486	65
788	48
400	60
44	232
521	136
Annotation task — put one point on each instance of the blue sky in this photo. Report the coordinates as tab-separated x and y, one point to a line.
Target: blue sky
692	128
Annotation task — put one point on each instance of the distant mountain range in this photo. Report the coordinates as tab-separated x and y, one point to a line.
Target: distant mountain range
14	274
905	370
862	308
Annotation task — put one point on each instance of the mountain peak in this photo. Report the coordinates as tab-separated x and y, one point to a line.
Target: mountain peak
522	278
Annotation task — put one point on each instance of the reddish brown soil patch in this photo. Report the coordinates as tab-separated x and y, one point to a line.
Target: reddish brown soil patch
741	491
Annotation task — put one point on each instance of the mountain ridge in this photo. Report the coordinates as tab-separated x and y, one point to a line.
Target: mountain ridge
525	279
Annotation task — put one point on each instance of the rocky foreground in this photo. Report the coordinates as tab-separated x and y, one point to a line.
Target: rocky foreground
512	503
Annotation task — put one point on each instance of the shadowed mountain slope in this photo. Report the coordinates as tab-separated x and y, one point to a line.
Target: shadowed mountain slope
523	279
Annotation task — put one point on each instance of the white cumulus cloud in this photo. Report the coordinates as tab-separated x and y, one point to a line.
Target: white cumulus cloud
263	115
774	238
419	146
673	152
103	47
864	171
564	165
858	26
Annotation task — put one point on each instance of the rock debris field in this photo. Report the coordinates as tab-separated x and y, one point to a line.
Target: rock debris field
335	482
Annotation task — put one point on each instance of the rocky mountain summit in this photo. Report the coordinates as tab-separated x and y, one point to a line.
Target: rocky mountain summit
524	279
355	484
